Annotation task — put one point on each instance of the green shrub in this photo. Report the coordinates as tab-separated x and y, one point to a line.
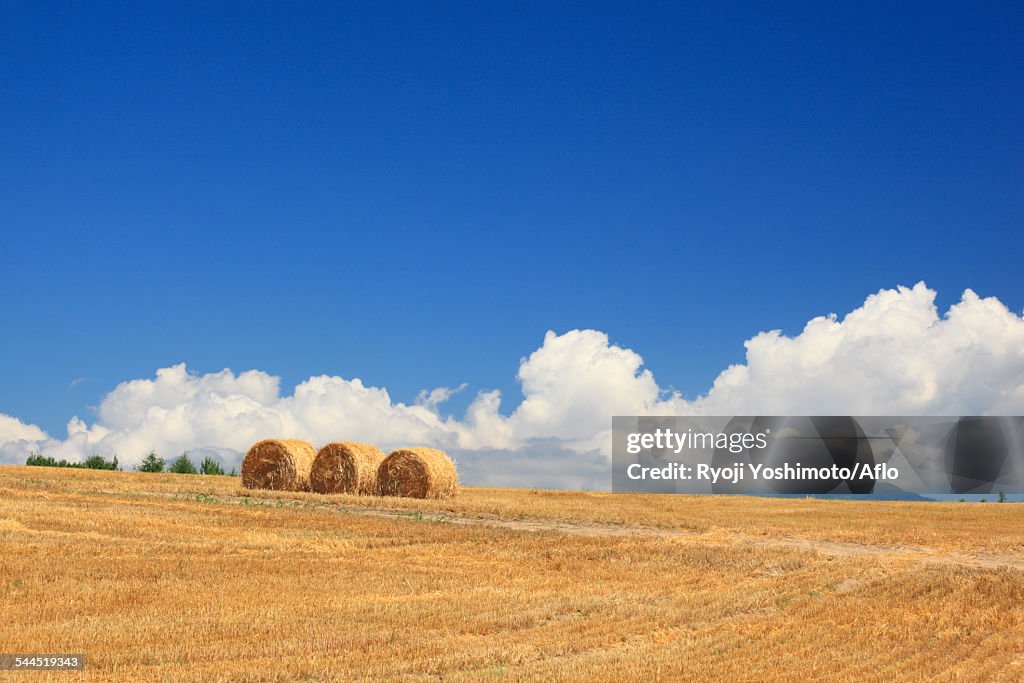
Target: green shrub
37	460
210	466
98	462
94	462
151	463
182	465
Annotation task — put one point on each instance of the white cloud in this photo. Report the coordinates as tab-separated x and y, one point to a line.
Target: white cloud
435	397
13	429
893	355
572	386
178	411
18	440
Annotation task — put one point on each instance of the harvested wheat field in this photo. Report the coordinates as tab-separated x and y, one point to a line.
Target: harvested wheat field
193	578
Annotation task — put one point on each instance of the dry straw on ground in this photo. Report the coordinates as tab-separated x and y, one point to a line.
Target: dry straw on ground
130	567
346	467
279	464
418	473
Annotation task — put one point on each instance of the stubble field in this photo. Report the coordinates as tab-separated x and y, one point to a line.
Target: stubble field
191	578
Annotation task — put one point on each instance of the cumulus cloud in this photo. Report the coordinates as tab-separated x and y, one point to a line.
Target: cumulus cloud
435	397
13	429
572	386
18	440
178	411
895	354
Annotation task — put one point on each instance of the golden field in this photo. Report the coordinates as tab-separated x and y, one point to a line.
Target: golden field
191	578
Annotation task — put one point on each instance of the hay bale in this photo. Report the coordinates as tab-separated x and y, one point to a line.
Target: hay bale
278	464
418	473
346	467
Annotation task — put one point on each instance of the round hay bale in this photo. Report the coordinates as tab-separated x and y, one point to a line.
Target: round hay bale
278	464
418	473
346	467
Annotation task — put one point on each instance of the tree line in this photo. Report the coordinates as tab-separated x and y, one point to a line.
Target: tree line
151	463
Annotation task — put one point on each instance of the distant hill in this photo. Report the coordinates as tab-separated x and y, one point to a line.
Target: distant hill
883	491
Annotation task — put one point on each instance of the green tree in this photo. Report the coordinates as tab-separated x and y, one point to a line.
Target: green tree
233	472
38	460
210	466
182	465
151	463
93	462
1002	496
98	462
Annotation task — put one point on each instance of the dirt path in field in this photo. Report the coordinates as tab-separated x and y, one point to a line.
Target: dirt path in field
903	553
843	549
910	554
720	536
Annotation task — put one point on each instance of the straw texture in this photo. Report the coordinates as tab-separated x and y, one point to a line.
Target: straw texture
418	473
278	464
346	467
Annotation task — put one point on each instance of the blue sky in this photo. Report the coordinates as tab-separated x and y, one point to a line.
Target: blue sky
413	195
